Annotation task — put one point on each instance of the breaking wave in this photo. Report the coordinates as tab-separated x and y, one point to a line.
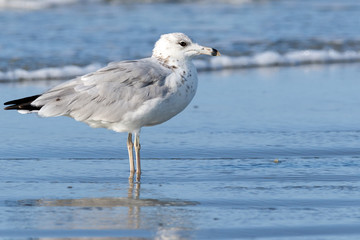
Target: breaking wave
34	4
264	59
43	4
48	73
271	58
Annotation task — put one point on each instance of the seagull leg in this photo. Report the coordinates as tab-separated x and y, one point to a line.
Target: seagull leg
130	146
137	154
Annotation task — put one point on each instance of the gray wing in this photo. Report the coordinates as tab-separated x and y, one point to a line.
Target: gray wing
107	94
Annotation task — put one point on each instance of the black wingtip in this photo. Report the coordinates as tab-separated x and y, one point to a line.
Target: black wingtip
22	104
13	107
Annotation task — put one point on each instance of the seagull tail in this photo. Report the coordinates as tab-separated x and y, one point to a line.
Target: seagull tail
23	105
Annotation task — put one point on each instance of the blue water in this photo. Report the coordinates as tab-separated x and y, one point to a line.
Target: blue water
277	112
264	154
268	149
261	32
305	198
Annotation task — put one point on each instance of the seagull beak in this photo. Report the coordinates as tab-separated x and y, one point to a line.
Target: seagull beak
196	49
208	51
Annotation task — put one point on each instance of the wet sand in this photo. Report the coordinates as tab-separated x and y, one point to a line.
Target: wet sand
214	199
267	153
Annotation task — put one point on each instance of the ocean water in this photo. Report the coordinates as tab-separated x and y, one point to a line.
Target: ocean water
61	39
268	149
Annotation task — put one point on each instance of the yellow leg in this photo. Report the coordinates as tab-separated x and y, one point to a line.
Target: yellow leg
130	146
137	154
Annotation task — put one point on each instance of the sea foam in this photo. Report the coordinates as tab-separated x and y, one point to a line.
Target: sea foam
33	4
271	58
264	59
43	4
48	73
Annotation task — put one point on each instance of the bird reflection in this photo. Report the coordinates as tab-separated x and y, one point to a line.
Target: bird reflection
134	193
119	215
128	212
132	176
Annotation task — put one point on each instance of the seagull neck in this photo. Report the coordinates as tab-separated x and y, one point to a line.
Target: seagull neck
172	63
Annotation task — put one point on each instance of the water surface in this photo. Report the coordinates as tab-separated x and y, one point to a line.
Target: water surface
268	149
258	154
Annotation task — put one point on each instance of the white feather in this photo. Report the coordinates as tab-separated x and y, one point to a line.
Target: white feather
128	95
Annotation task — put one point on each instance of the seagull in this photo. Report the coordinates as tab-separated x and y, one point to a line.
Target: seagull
128	95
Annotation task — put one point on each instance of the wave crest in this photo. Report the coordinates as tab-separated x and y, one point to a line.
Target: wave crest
271	58
264	59
48	73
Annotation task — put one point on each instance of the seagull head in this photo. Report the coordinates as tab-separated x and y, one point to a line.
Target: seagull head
174	48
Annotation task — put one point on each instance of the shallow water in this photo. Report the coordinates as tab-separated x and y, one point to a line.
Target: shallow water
260	153
267	153
277	112
213	199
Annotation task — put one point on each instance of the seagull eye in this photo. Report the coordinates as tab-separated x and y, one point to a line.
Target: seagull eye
183	44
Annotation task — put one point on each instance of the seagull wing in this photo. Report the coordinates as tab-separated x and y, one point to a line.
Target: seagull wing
107	94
